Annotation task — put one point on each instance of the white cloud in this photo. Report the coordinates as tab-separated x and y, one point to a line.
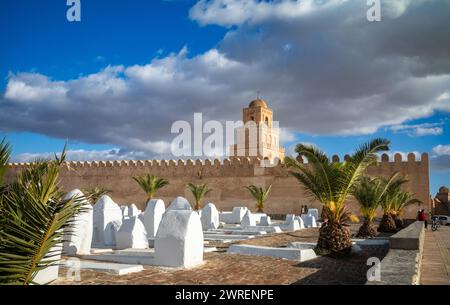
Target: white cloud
237	12
426	129
79	155
286	136
442	150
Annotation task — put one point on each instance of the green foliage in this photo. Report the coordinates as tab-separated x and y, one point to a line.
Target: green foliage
199	191
94	194
371	193
395	183
331	183
150	184
401	200
5	153
260	194
34	218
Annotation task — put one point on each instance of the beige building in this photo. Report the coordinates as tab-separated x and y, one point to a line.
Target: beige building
260	136
441	203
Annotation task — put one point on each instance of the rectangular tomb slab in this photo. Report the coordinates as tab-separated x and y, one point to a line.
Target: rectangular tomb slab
114	268
227	237
286	253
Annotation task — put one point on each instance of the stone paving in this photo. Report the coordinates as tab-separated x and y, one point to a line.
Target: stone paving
223	269
436	257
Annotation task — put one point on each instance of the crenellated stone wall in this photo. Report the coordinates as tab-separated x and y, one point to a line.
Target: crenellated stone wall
227	179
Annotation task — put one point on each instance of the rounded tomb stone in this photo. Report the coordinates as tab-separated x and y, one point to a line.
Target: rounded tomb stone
210	217
107	221
132	234
179	241
265	221
78	239
180	203
248	220
153	215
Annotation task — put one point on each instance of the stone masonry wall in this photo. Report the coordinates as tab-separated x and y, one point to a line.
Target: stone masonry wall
227	179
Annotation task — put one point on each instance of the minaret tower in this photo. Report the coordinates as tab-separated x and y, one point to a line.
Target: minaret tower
258	137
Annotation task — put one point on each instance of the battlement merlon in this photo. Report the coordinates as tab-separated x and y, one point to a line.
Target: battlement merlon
213	163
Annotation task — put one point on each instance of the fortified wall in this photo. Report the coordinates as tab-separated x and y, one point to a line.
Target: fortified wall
227	179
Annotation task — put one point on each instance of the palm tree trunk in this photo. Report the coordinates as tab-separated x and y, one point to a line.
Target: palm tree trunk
367	230
387	224
334	237
398	222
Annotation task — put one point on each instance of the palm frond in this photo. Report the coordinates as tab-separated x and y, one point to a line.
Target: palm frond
5	153
34	221
199	191
150	184
260	194
331	183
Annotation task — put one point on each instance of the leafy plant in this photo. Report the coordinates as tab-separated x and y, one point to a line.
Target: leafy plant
370	193
399	202
33	221
150	184
260	194
199	192
331	183
387	223
95	193
5	153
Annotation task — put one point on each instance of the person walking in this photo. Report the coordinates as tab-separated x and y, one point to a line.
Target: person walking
424	218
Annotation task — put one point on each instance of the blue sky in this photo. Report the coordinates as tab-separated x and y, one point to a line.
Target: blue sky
131	66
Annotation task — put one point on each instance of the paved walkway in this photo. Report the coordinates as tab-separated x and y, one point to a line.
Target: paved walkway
436	257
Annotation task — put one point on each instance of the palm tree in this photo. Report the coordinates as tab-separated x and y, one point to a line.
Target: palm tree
5	153
369	193
260	196
199	192
331	183
33	220
400	201
94	194
387	223
150	184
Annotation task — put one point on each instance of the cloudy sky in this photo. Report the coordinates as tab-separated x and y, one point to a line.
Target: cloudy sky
113	84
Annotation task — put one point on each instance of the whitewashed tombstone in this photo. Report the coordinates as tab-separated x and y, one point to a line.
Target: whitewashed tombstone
107	221
124	211
248	220
300	222
210	217
293	225
309	221
258	216
180	203
153	215
141	217
313	212
78	239
265	221
49	274
289	218
111	230
133	210
238	213
132	234
179	241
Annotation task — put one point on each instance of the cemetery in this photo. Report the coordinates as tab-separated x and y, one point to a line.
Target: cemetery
109	243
